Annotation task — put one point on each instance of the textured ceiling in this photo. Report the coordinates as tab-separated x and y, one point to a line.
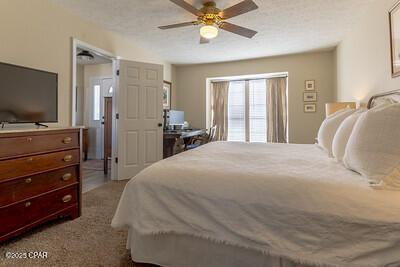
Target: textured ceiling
284	26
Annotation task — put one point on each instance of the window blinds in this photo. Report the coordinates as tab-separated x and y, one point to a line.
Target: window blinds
257	111
236	111
247	111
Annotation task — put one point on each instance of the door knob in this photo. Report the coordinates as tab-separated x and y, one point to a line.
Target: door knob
159	125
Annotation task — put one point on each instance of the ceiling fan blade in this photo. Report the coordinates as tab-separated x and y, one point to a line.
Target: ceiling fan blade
238	9
238	30
178	25
204	40
188	7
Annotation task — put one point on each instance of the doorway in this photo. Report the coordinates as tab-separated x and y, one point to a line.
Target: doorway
93	111
100	88
121	110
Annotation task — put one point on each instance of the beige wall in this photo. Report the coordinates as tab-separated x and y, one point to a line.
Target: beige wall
303	128
363	57
37	34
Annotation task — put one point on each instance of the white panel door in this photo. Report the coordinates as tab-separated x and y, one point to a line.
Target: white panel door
140	132
106	91
99	88
94	111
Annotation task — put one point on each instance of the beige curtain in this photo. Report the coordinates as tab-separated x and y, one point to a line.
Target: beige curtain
276	110
219	109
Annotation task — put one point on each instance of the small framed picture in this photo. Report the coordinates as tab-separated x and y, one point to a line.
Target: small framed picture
310	108
167	95
310	97
394	22
310	85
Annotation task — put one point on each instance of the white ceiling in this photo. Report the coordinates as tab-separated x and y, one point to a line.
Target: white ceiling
284	26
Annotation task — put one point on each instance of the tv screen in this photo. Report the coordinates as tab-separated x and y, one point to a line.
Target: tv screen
27	95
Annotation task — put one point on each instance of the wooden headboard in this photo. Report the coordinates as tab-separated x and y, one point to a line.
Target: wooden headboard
392	96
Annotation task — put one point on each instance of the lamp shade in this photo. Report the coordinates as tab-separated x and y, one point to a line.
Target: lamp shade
209	31
333	107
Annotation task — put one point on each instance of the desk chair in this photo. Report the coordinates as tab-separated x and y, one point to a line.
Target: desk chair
201	140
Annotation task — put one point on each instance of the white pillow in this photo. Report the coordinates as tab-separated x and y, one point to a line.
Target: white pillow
343	134
373	149
329	126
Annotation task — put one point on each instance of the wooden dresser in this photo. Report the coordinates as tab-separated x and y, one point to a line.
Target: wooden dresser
39	178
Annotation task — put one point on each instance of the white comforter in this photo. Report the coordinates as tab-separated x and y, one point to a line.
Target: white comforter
290	201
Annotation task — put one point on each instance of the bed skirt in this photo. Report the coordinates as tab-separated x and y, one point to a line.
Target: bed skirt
172	250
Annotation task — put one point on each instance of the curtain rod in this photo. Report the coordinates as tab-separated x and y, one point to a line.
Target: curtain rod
245	80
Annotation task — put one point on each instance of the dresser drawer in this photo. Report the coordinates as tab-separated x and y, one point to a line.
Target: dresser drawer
21	214
28	144
23	188
25	166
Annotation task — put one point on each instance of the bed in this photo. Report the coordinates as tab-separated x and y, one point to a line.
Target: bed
273	205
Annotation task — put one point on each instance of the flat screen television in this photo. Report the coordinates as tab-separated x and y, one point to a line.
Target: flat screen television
27	95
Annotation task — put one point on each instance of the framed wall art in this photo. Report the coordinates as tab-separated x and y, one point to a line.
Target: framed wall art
310	97
310	85
310	108
167	95
394	22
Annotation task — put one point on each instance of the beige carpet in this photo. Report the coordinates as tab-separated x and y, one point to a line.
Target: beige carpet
87	241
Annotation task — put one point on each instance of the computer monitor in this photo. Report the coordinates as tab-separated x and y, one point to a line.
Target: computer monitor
176	117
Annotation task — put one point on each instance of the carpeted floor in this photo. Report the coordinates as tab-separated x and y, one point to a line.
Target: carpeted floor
87	241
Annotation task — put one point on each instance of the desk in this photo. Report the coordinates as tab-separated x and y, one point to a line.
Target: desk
170	137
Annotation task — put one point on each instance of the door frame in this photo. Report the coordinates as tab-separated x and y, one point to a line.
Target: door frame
83	45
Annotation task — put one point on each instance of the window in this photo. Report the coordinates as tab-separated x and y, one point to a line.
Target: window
258	111
236	111
247	111
96	103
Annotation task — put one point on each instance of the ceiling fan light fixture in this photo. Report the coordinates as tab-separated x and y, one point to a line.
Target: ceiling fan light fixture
209	31
85	56
212	18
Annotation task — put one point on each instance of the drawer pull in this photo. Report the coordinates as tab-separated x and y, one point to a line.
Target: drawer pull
67	198
68	158
28	180
28	204
66	177
29	139
29	159
67	140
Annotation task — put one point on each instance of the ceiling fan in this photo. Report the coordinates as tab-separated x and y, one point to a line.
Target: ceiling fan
213	19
